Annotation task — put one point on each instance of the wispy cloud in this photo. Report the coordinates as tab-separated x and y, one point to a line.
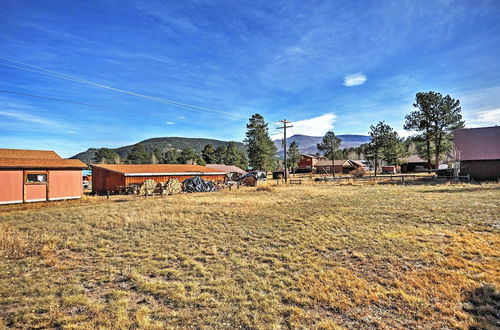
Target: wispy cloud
36	122
355	79
316	126
484	118
169	122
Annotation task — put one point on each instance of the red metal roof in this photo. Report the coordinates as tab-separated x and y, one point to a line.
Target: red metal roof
156	169
329	162
40	163
478	143
23	153
39	159
414	159
226	168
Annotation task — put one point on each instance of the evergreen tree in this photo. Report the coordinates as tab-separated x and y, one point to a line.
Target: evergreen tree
138	155
385	144
105	156
200	161
170	156
261	149
208	154
158	155
435	119
188	156
242	159
294	155
232	156
220	155
329	146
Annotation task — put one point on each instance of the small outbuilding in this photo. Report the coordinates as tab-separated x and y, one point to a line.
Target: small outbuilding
413	163
37	176
112	177
327	167
478	150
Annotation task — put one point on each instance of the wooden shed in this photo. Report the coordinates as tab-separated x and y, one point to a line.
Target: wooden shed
326	166
111	177
479	152
38	175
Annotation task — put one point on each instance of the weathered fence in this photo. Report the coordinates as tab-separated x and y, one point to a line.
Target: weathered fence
396	178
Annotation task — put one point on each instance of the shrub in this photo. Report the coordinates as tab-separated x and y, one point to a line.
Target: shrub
359	172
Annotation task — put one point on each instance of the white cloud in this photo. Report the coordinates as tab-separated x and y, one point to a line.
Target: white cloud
316	126
169	122
484	118
355	79
37	121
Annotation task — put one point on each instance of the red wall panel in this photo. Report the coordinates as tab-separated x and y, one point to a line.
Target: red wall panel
11	189
36	192
65	184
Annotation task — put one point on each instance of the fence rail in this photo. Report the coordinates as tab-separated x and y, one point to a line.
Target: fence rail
397	178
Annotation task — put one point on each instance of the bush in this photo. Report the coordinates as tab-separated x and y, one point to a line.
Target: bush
359	172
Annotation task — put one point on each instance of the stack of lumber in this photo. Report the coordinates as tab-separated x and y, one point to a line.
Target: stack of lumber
147	187
173	186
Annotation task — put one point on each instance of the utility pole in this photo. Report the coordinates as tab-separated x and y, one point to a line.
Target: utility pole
284	127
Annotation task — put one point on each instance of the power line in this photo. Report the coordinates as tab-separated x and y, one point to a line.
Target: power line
284	127
56	74
101	106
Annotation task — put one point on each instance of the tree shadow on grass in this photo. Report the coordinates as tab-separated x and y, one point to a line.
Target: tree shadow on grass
483	303
461	190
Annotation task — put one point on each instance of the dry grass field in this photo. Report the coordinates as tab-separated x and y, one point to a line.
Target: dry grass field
311	256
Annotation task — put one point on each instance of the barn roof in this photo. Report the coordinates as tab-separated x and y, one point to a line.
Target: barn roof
357	162
159	169
478	143
23	153
226	168
39	159
414	159
329	162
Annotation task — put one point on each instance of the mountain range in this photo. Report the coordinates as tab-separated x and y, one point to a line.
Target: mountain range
307	145
160	143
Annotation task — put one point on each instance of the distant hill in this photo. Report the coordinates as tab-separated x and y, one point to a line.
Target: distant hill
160	143
308	144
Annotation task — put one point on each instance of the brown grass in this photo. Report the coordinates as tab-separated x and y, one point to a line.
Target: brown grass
312	256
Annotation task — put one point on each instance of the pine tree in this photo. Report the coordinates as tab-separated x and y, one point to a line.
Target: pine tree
231	157
208	154
261	149
385	144
294	155
435	119
138	155
242	159
329	146
220	155
188	156
170	156
105	156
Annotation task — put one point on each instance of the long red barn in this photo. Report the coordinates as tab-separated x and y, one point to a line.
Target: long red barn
110	177
38	175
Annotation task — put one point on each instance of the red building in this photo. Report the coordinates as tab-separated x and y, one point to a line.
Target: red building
38	175
478	150
307	163
107	177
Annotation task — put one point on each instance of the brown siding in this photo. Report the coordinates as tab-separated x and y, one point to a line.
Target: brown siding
104	180
141	179
481	169
324	169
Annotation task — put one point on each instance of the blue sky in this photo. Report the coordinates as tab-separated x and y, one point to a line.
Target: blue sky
340	65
